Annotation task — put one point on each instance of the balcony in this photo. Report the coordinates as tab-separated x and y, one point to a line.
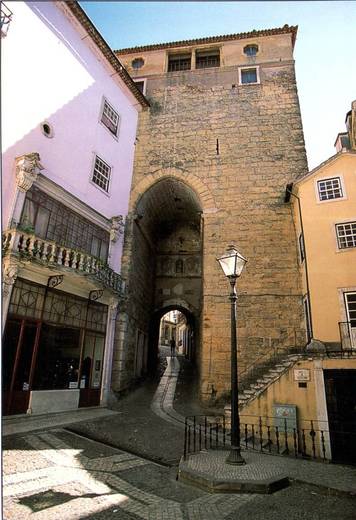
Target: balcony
348	335
5	19
26	246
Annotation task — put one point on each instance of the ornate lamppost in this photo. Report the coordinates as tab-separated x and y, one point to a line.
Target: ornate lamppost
232	264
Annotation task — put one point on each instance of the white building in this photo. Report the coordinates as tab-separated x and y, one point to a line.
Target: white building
69	119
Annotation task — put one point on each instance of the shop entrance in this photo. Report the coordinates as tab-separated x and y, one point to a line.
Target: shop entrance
59	347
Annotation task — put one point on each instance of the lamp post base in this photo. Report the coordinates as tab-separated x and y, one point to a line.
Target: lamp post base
235	457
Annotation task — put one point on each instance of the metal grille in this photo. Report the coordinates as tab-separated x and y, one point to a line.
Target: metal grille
179	62
27	299
346	235
51	220
110	118
330	189
101	174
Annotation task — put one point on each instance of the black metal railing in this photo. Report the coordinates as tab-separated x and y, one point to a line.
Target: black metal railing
347	335
272	435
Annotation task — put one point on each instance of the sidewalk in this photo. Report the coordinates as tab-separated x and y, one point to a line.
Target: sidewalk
146	424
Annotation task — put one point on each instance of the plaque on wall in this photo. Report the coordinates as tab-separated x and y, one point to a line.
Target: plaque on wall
301	374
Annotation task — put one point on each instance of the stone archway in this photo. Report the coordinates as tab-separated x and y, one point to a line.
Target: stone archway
192	319
162	265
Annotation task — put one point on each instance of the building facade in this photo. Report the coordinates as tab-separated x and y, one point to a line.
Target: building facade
320	385
69	119
222	139
324	204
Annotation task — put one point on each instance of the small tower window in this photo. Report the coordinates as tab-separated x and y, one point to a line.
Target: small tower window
251	50
137	63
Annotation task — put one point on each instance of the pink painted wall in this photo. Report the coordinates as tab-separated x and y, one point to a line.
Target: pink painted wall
51	71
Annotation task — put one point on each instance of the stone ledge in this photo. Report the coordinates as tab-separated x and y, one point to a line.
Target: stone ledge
208	471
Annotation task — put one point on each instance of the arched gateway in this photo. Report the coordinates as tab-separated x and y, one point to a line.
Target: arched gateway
162	263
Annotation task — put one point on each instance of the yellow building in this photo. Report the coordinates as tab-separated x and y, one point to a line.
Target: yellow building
316	389
324	205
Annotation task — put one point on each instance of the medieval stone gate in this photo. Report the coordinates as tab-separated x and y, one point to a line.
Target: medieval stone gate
213	156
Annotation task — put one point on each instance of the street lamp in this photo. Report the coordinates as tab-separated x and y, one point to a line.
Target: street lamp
232	263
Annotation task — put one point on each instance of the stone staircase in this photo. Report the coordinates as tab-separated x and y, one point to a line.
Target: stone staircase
255	383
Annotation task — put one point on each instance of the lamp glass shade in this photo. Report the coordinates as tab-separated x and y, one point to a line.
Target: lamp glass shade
232	263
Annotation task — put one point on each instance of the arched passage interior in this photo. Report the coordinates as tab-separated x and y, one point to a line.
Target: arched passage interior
166	262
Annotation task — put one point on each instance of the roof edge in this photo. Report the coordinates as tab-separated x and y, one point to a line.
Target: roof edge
104	48
324	163
293	29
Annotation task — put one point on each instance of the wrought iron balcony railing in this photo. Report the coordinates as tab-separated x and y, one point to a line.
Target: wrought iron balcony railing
347	335
5	19
47	252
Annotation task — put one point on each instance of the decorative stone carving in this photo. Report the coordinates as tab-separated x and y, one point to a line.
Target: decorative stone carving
27	169
117	227
9	278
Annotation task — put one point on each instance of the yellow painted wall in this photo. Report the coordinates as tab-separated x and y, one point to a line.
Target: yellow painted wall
310	401
331	270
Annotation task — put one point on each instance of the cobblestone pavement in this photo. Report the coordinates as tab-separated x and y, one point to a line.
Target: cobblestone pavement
56	474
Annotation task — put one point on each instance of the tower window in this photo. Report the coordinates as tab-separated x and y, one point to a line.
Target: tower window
251	50
249	76
205	59
137	63
177	62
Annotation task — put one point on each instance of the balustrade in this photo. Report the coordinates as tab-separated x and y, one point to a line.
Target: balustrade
29	246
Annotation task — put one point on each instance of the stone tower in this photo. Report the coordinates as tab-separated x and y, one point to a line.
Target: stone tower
221	140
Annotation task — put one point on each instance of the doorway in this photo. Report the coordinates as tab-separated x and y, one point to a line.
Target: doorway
340	388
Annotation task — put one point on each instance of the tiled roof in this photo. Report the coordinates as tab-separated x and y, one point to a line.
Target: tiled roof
214	39
94	34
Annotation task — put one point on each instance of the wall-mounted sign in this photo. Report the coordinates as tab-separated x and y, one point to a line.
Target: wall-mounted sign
301	374
285	416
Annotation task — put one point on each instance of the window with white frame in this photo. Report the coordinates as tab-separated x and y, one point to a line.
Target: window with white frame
346	235
101	174
330	189
110	118
249	75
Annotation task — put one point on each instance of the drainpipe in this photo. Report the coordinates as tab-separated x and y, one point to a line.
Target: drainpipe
288	194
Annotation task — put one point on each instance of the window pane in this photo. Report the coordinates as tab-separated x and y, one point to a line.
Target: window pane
249	76
58	358
42	222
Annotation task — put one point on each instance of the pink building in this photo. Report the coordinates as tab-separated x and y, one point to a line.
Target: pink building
69	119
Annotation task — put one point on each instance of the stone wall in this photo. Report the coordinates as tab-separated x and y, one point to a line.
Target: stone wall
244	143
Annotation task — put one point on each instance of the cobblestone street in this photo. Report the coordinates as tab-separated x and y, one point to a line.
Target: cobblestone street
56	474
53	473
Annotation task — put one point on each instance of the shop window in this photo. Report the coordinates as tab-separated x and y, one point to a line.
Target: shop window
51	220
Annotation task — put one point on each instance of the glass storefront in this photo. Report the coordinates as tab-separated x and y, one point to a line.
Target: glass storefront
52	341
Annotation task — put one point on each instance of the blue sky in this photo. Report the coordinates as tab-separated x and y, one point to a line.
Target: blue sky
325	50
